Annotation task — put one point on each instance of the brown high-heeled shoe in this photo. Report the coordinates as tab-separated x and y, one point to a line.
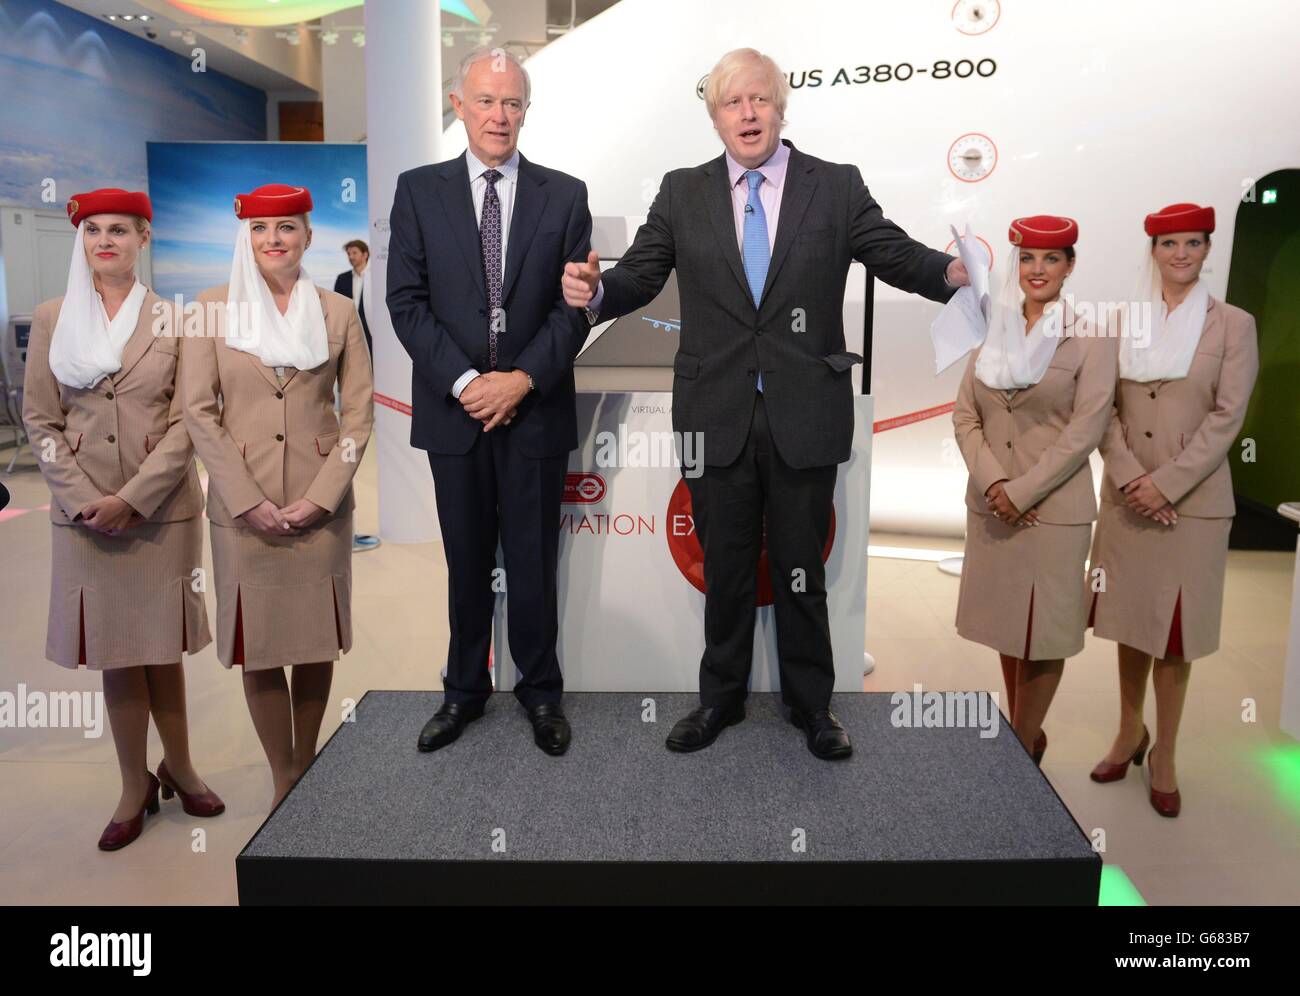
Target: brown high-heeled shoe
1113	771
118	835
206	803
1165	803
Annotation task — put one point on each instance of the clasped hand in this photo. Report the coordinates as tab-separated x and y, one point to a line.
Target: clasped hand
1001	506
493	398
110	515
291	520
1143	497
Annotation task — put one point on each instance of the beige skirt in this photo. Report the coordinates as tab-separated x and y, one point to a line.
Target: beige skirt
136	597
283	600
1023	588
1149	571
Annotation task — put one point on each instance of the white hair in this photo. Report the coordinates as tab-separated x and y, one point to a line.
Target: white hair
494	53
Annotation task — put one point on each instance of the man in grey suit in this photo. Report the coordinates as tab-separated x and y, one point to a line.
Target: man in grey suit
761	239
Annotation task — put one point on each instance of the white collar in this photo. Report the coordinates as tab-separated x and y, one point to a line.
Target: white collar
477	168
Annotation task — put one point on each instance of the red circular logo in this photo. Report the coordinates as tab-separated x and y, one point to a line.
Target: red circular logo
583	489
688	555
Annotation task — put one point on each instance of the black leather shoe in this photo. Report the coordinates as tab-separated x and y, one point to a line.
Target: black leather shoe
446	724
550	729
701	726
826	737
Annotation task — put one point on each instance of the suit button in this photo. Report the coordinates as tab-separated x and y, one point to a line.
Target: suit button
749	373
279	437
1153	394
109	395
758	332
482	312
1008	444
1147	434
112	439
279	394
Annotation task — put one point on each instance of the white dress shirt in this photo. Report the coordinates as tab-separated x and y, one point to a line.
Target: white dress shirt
506	187
358	282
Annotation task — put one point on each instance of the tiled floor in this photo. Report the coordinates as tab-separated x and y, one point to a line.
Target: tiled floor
1236	842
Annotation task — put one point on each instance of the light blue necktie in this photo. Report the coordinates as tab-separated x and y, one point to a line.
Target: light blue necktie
756	251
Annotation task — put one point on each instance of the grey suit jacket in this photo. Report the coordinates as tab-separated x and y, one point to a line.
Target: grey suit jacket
795	336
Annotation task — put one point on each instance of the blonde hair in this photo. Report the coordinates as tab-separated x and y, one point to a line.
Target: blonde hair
739	61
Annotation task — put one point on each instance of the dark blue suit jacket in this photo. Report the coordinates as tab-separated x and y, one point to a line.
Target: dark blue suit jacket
343	285
437	299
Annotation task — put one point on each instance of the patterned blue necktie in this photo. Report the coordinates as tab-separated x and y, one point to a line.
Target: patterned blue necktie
489	231
756	251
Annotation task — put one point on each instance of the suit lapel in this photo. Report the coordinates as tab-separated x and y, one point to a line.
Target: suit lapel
140	341
263	370
718	198
1212	316
800	182
261	367
1067	337
291	372
530	200
458	203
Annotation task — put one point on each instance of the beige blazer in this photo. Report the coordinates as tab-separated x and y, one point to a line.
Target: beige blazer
260	439
1038	439
125	436
1180	431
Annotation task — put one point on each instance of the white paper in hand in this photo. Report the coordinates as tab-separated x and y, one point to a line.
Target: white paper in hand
977	267
964	321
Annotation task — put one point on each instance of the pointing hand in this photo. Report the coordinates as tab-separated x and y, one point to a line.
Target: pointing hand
580	281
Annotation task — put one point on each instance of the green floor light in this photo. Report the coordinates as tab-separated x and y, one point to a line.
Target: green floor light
1283	761
1117	889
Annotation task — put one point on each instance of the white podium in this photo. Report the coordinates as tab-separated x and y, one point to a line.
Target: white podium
630	599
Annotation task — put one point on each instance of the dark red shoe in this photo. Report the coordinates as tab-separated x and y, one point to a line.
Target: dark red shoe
118	835
1112	771
1165	803
1040	747
206	803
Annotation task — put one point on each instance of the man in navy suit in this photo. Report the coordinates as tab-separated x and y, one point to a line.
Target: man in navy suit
477	246
355	282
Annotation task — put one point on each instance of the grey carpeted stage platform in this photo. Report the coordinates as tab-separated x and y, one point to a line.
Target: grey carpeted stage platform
915	816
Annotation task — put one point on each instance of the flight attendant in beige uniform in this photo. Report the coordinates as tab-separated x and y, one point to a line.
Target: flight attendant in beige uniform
103	412
1033	404
259	402
1167	500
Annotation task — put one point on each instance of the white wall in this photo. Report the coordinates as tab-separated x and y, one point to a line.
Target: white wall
1091	114
343	80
